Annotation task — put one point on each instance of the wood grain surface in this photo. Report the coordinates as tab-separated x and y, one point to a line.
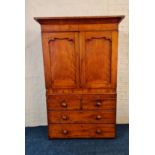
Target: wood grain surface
81	131
80	67
93	116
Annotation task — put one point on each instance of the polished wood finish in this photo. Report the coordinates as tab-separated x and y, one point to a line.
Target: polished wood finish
81	130
80	66
106	104
96	51
81	116
63	102
79	20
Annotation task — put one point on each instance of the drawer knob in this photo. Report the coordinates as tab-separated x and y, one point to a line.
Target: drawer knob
98	117
64	117
65	132
98	103
64	104
98	131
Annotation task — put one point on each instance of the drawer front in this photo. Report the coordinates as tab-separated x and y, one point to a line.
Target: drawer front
97	116
106	104
63	102
96	102
81	131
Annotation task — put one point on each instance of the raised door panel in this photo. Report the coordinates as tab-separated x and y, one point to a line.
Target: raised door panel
97	57
62	69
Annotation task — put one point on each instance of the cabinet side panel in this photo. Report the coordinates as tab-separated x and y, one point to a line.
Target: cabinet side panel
114	59
46	59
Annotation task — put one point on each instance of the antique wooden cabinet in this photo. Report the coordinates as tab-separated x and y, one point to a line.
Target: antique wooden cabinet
80	64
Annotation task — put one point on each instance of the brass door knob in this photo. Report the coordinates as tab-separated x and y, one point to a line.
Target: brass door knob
64	104
65	132
98	131
98	117
64	117
98	103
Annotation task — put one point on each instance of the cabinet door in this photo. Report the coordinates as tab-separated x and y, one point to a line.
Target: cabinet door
61	59
98	59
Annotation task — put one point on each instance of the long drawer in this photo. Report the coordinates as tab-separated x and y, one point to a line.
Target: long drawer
89	116
81	131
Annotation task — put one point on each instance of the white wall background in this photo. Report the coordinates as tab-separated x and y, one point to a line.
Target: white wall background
35	113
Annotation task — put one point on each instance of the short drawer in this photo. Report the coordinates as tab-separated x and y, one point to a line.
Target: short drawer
81	130
96	102
63	102
98	116
106	104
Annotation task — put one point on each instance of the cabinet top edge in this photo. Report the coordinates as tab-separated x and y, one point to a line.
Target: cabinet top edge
79	19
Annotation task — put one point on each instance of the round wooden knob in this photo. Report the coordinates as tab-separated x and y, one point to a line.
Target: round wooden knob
65	132
64	117
98	131
64	104
98	103
98	117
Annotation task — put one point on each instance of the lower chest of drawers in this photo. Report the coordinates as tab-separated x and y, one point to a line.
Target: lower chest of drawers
79	116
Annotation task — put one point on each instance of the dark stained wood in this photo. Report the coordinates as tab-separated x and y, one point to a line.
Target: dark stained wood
81	131
76	20
111	92
80	67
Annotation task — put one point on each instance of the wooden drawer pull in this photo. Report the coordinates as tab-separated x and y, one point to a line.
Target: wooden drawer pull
64	117
64	104
65	132
98	131
98	103
98	117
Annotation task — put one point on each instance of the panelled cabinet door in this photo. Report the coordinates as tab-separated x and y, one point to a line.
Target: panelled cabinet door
61	59
98	66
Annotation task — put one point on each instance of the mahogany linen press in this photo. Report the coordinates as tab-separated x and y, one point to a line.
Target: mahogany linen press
80	66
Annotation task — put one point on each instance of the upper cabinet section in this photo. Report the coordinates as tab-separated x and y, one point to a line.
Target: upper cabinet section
54	24
80	52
